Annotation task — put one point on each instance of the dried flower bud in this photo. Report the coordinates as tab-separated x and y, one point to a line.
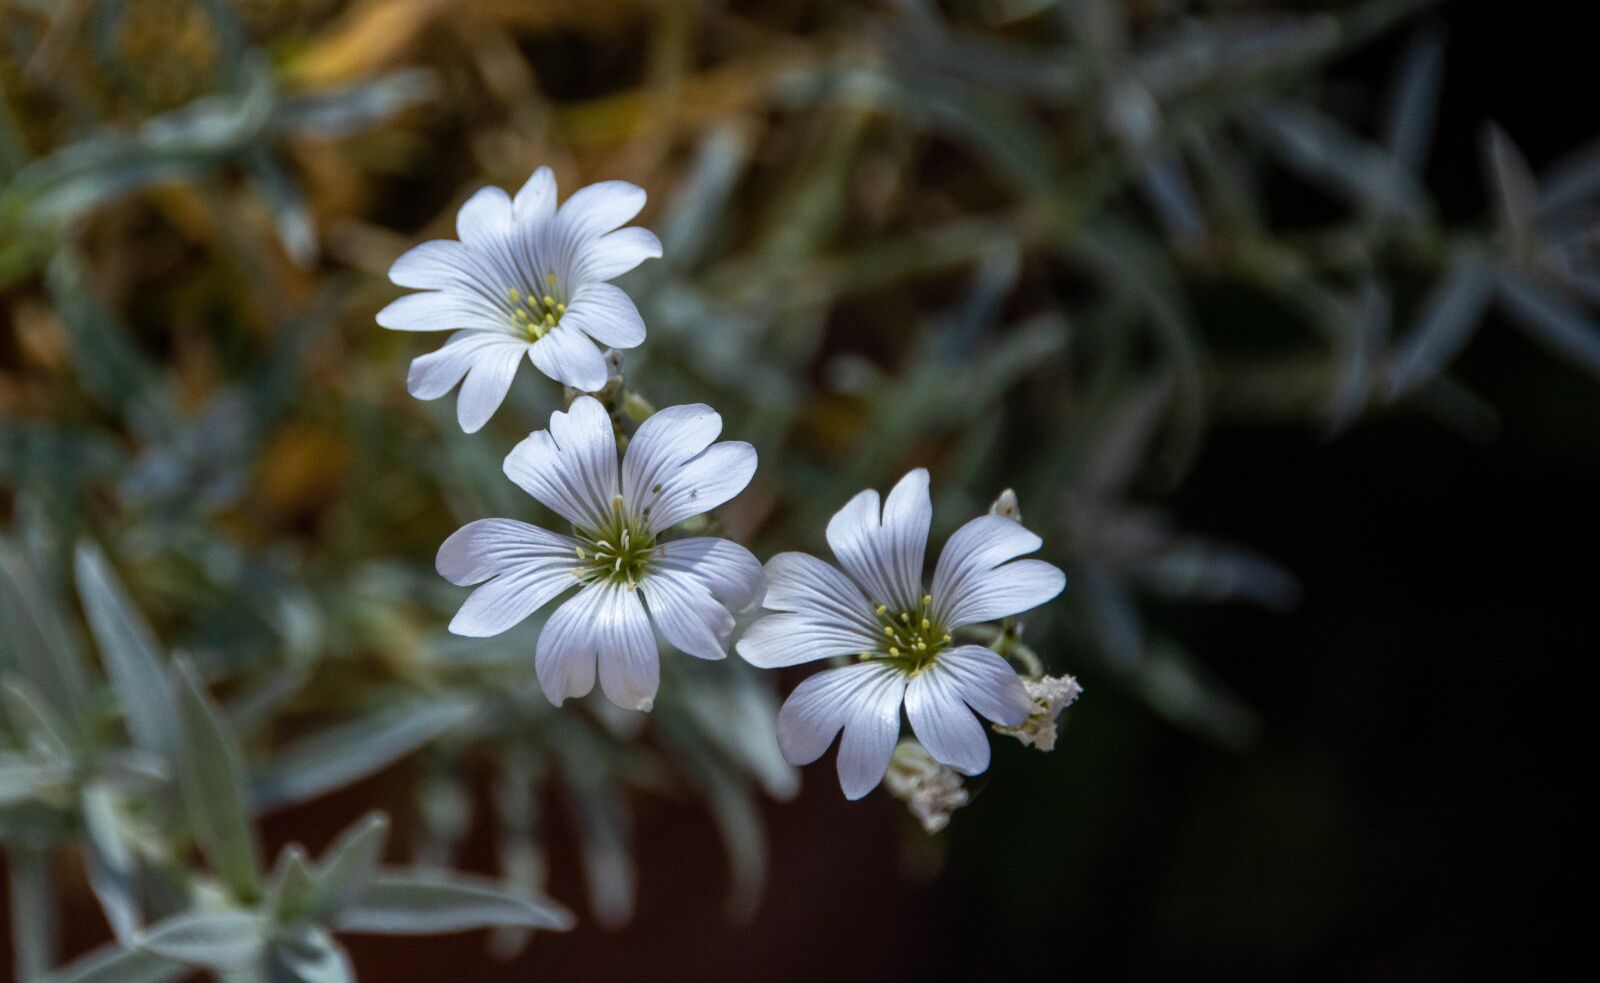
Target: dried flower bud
1006	505
929	789
1051	695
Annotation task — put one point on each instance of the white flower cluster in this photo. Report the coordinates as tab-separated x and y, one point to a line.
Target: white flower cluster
530	278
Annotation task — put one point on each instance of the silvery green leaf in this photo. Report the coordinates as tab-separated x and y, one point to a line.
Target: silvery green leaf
1569	184
741	719
112	868
23	779
292	886
700	202
1513	188
1166	188
348	865
600	817
117	965
1363	344
1178	688
211	777
130	653
311	956
517	781
1194	570
253	709
1323	151
1414	102
333	758
109	364
340	110
32	717
220	940
31	897
1451	312
401	902
1550	318
286	200
35	639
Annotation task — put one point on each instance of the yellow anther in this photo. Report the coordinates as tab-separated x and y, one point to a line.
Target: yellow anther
947	636
927	599
549	301
905	617
550	278
888	631
893	650
550	319
882	608
561	309
926	624
515	295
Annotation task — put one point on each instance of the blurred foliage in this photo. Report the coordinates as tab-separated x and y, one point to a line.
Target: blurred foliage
1027	243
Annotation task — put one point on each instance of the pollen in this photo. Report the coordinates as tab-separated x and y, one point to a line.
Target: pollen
535	313
913	638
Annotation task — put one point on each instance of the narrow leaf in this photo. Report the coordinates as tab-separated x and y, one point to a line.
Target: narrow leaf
1414	102
35	639
428	903
117	965
130	653
212	779
312	957
1551	318
1513	188
349	864
344	753
220	940
1448	318
32	900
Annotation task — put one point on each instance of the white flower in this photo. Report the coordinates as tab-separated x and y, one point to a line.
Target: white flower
526	278
931	791
901	635
692	587
1050	696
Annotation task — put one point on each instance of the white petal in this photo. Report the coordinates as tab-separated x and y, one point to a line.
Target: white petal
487	383
434	265
701	484
987	683
784	639
536	201
530	566
614	254
731	572
864	697
599	208
630	667
660	447
440	310
571	468
436	373
974	583
484	220
565	657
569	357
802	583
885	554
480	550
943	723
683	607
606	314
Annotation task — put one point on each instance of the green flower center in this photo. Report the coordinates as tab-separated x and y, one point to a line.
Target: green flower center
618	552
911	639
537	312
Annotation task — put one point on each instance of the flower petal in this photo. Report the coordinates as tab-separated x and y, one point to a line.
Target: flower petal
864	699
630	666
785	639
536	200
434	265
482	549
614	254
485	219
682	606
529	566
606	314
440	310
661	445
987	683
601	207
571	468
973	582
802	583
565	657
885	554
731	572
488	381
943	723
569	357
436	373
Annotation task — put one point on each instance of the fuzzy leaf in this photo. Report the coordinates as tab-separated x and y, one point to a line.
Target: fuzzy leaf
430	903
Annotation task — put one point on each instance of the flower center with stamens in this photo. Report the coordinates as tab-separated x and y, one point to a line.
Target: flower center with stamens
911	638
619	552
537	312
